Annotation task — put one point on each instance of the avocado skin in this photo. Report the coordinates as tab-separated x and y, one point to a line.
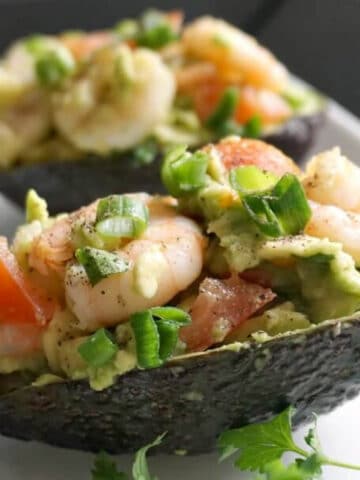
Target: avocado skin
70	185
196	398
296	136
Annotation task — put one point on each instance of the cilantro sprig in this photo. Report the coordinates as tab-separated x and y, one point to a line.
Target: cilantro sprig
260	447
106	469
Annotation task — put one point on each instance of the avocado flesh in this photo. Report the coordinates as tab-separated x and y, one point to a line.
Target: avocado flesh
195	397
93	177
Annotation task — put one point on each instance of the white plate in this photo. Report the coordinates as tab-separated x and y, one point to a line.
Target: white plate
339	430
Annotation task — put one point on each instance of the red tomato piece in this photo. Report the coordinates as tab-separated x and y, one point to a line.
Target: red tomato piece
220	307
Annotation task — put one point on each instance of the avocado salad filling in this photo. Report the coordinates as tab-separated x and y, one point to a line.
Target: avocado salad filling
138	87
246	248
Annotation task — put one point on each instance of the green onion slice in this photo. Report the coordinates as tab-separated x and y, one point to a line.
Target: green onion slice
100	264
147	339
260	212
168	333
282	211
253	127
176	315
289	203
184	172
121	216
52	67
250	179
224	110
156	333
99	349
156	31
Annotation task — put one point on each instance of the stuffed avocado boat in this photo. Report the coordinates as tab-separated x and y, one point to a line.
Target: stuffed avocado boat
83	108
211	308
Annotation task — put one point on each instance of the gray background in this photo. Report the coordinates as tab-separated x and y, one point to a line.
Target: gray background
317	39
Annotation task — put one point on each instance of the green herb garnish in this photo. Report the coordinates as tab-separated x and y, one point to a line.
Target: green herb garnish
106	469
219	119
156	334
99	349
282	210
253	127
184	172
146	152
99	264
260	447
120	216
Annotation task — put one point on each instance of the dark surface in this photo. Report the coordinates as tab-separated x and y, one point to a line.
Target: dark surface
196	399
70	185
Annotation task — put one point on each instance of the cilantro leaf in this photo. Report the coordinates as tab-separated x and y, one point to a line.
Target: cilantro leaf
312	438
276	470
261	443
140	468
311	465
105	469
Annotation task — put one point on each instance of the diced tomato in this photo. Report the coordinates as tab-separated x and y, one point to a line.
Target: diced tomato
268	105
236	153
258	276
20	302
221	306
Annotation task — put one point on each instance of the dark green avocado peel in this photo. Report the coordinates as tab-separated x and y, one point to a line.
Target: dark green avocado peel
196	397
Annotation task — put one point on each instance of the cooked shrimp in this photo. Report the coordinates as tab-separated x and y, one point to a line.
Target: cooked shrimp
22	125
333	179
117	101
235	151
337	225
53	248
165	260
237	56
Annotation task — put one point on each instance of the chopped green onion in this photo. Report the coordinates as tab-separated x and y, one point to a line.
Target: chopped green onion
127	29
121	216
156	333
52	68
253	127
35	44
171	314
282	211
100	264
99	349
146	152
184	172
250	179
168	332
156	30
259	210
147	339
225	110
289	203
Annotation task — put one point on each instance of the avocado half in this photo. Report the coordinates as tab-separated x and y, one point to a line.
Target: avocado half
194	398
69	185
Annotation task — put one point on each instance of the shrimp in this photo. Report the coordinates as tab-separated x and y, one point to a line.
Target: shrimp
117	101
164	261
333	179
237	56
22	125
235	151
328	221
53	248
